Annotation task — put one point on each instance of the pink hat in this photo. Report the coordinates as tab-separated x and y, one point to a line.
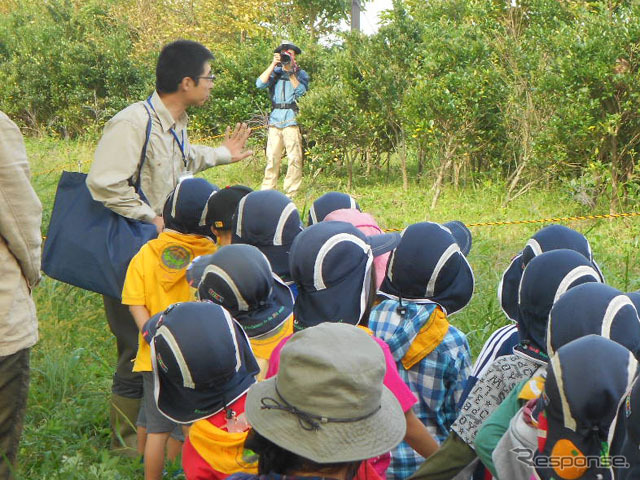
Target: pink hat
367	225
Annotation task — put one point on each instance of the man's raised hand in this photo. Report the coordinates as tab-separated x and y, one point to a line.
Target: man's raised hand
237	141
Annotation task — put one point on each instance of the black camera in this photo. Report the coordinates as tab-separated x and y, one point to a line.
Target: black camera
285	58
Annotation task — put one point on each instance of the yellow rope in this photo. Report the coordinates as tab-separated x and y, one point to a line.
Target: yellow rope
253	129
556	219
58	169
527	222
541	220
478	224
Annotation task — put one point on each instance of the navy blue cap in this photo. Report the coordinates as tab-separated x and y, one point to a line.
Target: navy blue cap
287	45
544	280
185	207
461	234
267	219
552	237
624	435
331	264
585	381
330	202
195	270
202	360
239	278
509	286
221	206
635	299
428	265
593	308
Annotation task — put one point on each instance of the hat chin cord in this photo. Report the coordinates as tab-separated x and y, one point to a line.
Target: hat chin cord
401	310
308	421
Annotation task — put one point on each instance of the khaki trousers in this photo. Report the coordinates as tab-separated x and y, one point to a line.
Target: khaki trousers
290	139
126	383
14	389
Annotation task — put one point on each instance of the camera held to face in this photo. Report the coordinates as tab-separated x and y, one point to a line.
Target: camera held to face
285	58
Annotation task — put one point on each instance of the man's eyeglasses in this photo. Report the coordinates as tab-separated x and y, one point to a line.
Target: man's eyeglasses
211	77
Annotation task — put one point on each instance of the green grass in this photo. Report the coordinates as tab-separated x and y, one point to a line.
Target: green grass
66	431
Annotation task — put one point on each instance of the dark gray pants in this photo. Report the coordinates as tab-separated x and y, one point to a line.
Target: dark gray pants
14	388
121	323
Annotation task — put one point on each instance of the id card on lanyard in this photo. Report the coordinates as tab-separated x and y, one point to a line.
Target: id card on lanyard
179	141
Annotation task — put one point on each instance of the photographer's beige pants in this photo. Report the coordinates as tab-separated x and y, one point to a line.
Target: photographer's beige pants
288	138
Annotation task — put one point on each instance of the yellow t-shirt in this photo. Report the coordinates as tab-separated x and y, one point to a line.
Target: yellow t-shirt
156	278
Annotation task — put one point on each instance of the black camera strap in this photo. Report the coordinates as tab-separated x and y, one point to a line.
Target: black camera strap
275	105
292	106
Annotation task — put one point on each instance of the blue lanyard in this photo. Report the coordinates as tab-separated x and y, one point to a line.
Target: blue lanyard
180	143
173	132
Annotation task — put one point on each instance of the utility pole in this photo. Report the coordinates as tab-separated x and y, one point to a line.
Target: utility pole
355	15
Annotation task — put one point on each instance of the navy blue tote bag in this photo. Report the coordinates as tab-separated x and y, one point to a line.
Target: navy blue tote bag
87	244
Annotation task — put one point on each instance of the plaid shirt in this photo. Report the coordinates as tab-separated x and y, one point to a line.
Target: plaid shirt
437	380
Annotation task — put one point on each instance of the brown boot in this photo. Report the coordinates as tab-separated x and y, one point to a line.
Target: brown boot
124	413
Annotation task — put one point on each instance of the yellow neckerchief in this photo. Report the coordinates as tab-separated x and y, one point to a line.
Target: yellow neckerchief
222	450
366	329
429	337
534	386
263	345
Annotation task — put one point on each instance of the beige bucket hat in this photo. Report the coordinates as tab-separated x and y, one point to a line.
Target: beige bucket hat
328	402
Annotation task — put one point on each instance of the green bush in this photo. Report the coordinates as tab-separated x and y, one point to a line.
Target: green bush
459	90
66	68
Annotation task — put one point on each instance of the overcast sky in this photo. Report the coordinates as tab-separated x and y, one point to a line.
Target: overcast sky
369	18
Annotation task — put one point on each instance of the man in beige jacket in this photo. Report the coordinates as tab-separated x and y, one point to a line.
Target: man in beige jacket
183	79
20	242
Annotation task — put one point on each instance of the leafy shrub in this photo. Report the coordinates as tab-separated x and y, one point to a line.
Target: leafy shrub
66	67
456	89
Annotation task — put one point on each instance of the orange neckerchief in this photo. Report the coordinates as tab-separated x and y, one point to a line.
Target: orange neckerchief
428	338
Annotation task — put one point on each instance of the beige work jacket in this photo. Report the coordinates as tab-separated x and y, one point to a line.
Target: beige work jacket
20	243
117	159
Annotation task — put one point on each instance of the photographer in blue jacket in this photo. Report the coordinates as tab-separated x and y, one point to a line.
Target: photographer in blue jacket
286	82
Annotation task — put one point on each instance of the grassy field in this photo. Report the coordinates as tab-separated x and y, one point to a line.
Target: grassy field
66	432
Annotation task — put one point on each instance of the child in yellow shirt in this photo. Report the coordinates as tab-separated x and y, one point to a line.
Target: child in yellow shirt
156	279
